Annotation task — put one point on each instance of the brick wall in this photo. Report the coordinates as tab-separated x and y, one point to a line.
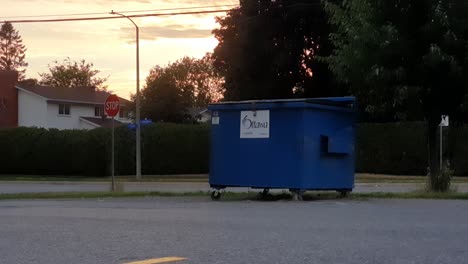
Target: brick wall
8	99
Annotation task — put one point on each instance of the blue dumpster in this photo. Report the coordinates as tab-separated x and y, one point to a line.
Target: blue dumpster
300	145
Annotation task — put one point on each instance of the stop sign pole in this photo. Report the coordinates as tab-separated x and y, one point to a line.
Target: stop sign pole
112	107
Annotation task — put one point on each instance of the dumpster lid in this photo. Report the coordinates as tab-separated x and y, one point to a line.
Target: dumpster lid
347	102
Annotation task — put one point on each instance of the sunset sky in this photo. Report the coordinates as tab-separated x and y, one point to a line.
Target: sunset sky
109	44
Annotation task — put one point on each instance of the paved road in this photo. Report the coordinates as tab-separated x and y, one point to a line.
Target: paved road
126	230
30	187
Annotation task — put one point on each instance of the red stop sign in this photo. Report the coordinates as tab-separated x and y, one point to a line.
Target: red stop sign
112	105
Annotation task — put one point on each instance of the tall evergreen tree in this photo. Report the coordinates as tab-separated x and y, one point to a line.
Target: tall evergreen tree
12	50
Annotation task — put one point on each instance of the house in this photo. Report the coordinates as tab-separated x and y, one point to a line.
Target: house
200	114
49	107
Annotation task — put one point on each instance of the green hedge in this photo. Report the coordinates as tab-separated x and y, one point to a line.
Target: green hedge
392	148
38	151
175	149
402	148
396	148
457	149
166	149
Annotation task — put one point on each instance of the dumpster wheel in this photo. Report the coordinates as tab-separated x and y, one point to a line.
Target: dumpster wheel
215	195
264	193
344	193
297	194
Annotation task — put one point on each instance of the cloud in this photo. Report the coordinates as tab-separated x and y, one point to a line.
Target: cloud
168	31
105	2
99	2
179	2
201	2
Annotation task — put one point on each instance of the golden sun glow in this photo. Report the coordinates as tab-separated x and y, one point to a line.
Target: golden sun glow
110	44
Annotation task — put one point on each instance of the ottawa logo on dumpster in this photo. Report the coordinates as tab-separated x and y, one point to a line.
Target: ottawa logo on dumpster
255	124
249	124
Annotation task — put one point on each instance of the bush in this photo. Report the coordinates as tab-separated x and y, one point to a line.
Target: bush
440	182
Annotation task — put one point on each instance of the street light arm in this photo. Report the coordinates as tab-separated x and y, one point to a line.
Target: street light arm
122	15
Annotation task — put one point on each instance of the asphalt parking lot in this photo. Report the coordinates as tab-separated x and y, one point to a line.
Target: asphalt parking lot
201	231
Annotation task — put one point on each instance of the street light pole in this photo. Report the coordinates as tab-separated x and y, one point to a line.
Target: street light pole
137	110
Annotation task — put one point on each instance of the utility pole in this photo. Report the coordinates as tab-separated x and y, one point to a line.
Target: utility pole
137	100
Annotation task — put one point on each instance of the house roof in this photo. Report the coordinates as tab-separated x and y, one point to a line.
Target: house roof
102	122
196	111
80	95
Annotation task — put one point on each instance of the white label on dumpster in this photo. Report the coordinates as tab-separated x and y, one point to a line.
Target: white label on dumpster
215	120
255	124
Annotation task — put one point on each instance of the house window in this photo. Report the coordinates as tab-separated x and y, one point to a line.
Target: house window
122	113
98	111
64	109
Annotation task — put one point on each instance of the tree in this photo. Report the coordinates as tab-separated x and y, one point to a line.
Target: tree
30	82
171	91
205	79
12	50
72	74
267	49
396	54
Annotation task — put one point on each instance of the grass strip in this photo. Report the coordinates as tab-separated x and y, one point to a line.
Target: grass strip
360	178
412	195
88	195
230	196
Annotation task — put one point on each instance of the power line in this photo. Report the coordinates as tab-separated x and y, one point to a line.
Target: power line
117	17
80	14
123	12
144	15
180	8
